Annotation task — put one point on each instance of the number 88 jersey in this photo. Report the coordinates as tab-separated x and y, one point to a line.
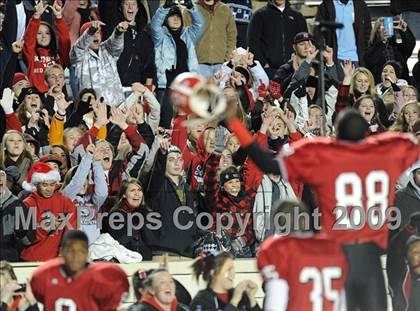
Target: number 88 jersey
354	183
313	268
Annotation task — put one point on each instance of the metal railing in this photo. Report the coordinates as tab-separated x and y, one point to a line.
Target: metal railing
318	2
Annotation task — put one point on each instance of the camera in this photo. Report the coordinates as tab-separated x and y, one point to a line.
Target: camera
21	289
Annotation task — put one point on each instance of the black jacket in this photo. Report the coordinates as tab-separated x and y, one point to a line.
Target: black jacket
7	37
271	33
209	301
137	61
408	203
416	76
362	26
111	14
378	53
134	240
162	197
398	6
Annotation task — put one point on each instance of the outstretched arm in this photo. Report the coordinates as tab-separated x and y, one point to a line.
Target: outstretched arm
262	158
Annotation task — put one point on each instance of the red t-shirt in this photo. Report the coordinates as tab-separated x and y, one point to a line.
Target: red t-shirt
99	287
314	268
351	175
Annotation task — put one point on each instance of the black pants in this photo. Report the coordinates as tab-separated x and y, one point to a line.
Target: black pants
365	286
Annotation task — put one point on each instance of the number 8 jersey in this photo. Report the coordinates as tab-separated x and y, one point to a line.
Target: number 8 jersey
100	286
303	273
354	182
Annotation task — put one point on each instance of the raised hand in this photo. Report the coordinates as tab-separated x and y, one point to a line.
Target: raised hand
348	69
57	10
17	46
123	26
267	119
329	55
45	117
312	55
139	88
62	103
164	143
219	76
238	292
249	58
118	118
402	25
7	100
100	111
96	25
39	9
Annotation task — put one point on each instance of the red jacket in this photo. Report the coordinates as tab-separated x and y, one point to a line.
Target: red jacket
46	246
39	58
193	162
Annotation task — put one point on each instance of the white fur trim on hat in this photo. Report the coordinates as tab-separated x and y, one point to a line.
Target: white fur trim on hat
37	178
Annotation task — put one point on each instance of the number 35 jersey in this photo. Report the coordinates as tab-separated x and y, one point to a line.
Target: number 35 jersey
314	268
354	183
100	286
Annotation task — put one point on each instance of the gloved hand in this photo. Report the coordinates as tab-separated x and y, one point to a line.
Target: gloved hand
220	139
7	101
168	4
262	90
274	89
188	4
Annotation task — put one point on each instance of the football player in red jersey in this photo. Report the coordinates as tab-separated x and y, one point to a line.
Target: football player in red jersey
348	173
72	283
303	270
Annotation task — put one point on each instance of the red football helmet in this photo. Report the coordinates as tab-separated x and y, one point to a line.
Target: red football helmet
194	95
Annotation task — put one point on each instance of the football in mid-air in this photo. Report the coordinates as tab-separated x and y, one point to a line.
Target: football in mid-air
195	96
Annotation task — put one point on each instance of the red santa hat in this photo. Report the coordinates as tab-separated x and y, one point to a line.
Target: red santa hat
40	172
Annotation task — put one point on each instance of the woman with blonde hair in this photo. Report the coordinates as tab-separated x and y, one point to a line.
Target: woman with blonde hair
14	152
408	116
409	94
357	82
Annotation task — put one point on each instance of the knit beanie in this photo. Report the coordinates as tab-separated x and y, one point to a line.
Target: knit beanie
229	174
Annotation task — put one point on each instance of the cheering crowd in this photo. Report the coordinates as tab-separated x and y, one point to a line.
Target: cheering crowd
90	134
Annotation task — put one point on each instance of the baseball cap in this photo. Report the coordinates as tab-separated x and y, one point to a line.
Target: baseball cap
303	36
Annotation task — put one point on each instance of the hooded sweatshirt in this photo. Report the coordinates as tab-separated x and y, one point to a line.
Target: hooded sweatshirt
46	246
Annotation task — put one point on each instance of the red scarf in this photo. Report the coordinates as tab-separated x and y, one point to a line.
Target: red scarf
150	300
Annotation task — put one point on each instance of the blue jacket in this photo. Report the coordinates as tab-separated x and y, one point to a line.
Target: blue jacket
165	47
